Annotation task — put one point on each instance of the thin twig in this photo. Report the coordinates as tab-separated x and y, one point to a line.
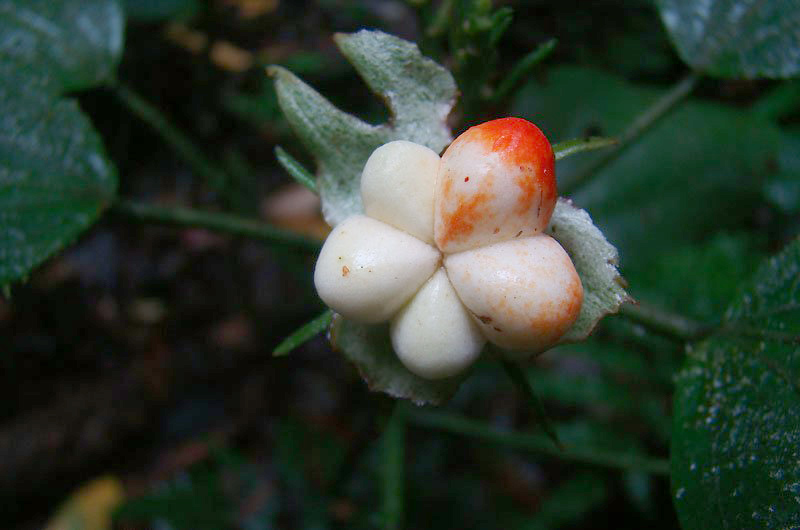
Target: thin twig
666	323
177	139
517	375
219	222
638	126
441	19
535	443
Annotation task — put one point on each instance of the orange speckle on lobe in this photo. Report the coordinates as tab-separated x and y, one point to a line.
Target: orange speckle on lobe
575	298
460	222
447	188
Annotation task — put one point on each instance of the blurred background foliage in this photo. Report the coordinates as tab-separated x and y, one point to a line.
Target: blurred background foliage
143	353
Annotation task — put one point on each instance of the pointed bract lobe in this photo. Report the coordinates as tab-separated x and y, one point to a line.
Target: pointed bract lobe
496	182
397	187
367	269
434	335
524	293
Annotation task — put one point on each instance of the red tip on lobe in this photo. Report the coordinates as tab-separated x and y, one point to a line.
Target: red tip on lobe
522	157
518	141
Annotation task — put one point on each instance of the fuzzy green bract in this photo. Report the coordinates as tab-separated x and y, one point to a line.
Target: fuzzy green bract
55	178
736	38
369	348
596	261
420	94
736	428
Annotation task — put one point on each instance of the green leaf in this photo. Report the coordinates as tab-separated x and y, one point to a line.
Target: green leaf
72	44
419	93
783	189
779	102
596	261
198	499
736	428
339	142
736	38
717	268
619	398
55	178
570	501
697	171
370	349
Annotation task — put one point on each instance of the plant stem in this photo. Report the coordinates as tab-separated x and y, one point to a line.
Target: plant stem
579	145
665	322
517	375
219	222
535	443
393	464
686	329
441	18
180	142
638	126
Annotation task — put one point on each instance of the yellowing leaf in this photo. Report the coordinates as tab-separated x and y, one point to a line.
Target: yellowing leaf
90	507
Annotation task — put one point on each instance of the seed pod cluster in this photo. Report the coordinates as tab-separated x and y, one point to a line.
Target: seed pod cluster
452	250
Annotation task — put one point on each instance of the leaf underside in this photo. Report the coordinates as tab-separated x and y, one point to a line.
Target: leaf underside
418	92
736	428
370	349
596	261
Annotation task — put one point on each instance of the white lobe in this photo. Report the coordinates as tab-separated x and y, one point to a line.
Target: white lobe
397	187
367	270
524	293
434	335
